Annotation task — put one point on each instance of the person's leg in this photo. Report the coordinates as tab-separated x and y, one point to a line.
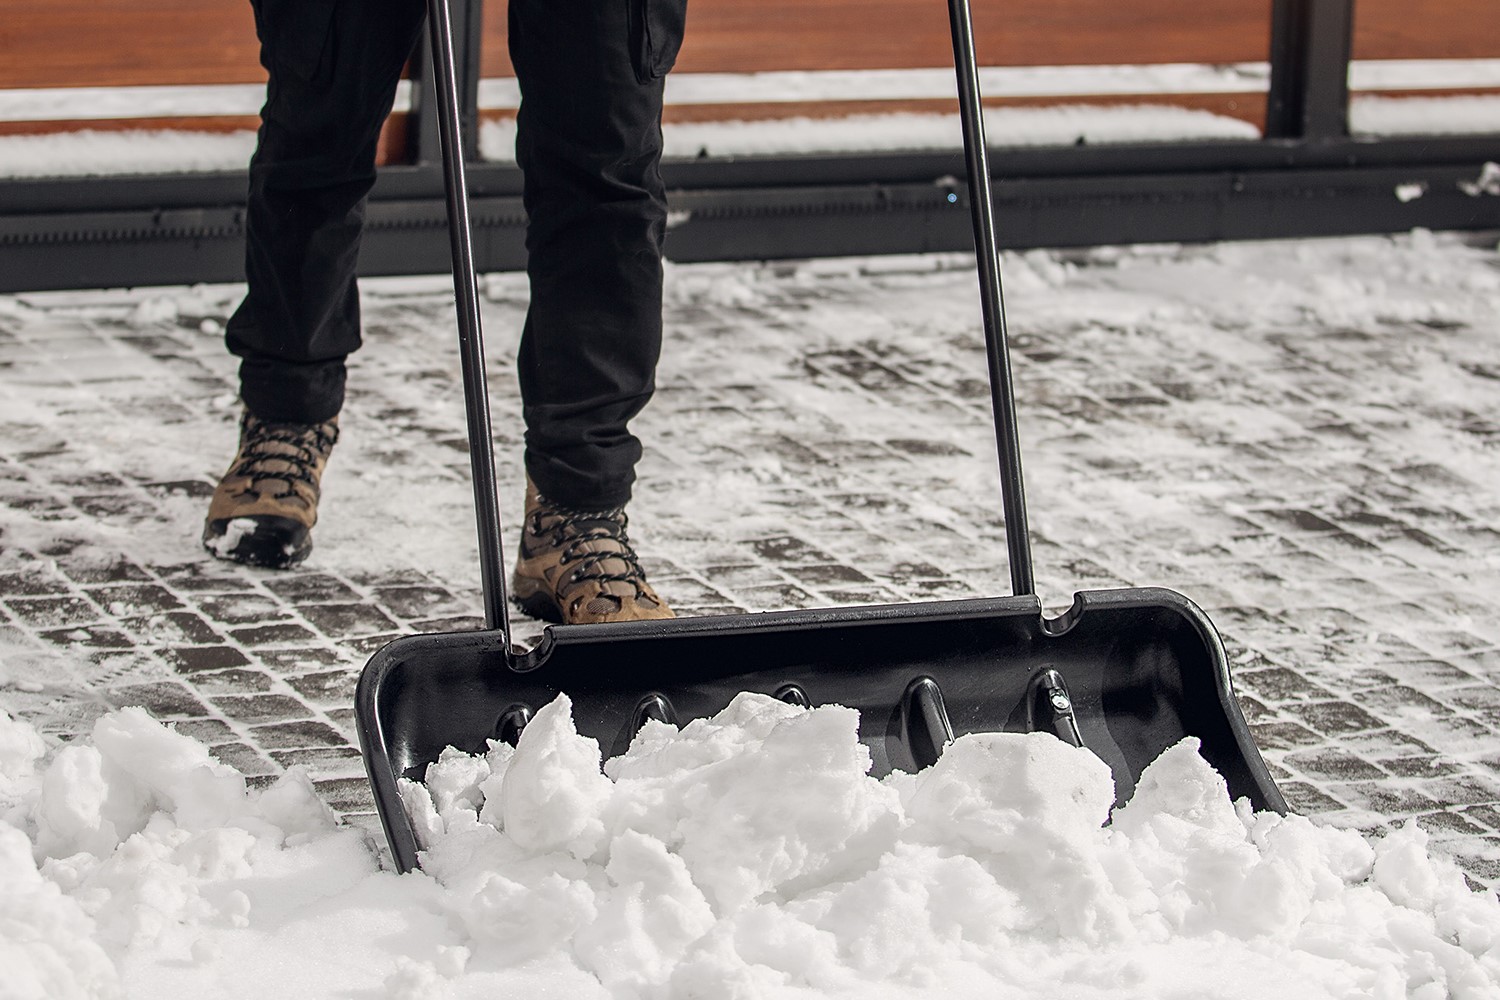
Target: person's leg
589	143
333	69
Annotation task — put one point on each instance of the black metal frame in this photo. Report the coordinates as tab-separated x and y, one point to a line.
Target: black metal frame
1310	45
1307	177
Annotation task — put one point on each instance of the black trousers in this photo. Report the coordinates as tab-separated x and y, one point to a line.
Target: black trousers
589	142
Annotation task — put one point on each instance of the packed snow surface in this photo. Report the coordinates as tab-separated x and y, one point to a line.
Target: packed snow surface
95	153
1055	125
140	151
748	855
1447	115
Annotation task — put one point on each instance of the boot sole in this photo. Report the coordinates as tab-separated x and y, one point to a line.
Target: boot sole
537	604
273	543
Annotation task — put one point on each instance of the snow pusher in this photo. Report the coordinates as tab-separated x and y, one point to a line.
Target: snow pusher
1125	673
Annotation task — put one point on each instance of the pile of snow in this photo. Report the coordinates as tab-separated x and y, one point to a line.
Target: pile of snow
140	151
94	152
107	153
1057	125
747	855
1448	115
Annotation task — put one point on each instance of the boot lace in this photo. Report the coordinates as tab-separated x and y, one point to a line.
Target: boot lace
284	453
575	532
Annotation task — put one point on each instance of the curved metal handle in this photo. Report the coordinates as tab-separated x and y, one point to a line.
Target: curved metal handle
992	300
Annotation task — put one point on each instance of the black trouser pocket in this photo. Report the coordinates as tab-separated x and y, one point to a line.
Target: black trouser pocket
296	33
656	30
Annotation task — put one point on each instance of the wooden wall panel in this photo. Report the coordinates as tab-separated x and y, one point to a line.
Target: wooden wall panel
1427	29
62	43
111	43
739	36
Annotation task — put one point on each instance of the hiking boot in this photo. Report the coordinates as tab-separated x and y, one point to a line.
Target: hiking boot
577	567
265	506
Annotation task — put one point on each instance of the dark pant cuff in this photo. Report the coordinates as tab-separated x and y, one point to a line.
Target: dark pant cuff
290	393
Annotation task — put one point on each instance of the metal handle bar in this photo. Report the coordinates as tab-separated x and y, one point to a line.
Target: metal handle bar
470	334
992	299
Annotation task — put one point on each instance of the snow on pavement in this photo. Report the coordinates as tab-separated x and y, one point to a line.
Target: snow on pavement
744	856
1298	435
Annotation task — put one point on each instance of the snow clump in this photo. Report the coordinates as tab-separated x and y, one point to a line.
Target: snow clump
750	855
744	856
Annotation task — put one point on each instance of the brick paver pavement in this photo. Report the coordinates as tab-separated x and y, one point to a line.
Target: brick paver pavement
1300	437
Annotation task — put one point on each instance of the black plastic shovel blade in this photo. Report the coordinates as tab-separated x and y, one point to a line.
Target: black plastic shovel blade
1127	673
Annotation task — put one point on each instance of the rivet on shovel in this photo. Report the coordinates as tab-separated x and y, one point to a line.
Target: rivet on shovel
653	706
508	727
793	694
1049	708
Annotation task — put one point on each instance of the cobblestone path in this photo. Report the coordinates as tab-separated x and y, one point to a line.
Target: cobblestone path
1302	438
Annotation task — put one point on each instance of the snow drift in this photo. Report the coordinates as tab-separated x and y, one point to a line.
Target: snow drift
748	855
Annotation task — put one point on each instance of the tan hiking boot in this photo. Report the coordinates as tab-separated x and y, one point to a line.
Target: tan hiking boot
577	567
265	506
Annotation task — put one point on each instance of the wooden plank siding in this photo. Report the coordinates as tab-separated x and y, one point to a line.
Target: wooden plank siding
747	36
115	43
93	43
753	36
1426	29
119	43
